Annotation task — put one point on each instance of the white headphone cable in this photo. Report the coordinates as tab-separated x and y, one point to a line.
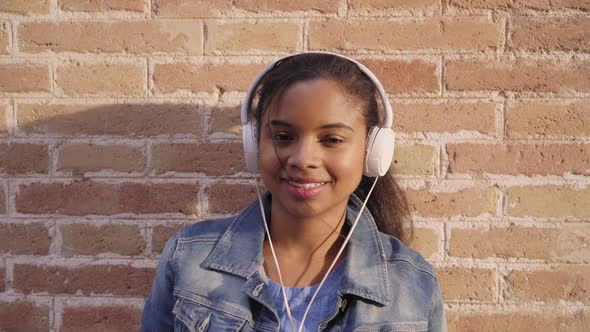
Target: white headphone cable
348	236
274	256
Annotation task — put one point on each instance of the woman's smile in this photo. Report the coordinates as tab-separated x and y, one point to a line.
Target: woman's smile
304	188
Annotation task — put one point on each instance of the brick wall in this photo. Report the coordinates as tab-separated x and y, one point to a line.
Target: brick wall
119	124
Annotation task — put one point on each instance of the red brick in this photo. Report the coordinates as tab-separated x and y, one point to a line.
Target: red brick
25	7
5	36
24	158
83	280
2	284
252	37
562	283
521	4
557	34
24	316
469	202
99	319
108	79
23	78
24	239
459	283
82	239
572	244
548	120
222	8
322	6
209	158
425	241
414	159
161	234
230	198
376	34
563	244
226	120
548	201
81	158
518	321
101	6
514	159
181	37
519	76
401	76
128	120
444	117
379	5
84	198
209	77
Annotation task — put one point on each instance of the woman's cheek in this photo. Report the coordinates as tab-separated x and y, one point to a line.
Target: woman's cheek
349	164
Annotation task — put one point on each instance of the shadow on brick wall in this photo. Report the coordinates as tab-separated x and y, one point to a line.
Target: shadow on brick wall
106	185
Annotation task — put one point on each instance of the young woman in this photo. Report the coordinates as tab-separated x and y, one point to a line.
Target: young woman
323	249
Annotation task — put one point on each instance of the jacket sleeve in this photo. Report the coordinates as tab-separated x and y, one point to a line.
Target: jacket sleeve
157	311
437	321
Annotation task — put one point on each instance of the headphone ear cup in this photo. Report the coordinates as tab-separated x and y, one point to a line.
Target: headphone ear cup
250	146
379	154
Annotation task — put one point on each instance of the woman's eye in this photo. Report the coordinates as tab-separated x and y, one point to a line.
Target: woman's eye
333	140
279	137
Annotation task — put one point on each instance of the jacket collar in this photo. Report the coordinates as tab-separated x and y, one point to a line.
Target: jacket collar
239	251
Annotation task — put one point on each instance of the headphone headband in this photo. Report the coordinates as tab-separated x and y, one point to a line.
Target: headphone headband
380	140
388	117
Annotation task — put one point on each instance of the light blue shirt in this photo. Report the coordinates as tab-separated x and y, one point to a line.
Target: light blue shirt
298	297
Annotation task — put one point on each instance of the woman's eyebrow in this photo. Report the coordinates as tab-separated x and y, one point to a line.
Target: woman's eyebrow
280	123
338	125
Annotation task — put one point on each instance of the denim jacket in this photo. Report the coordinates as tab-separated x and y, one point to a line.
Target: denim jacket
210	278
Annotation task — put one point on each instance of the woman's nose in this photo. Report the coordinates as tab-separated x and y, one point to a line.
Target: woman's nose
304	154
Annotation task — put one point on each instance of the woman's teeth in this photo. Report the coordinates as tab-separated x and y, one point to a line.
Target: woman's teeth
306	185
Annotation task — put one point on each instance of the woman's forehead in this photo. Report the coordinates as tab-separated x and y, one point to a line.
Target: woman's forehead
316	102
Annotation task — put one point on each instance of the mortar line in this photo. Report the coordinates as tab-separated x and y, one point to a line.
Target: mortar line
12	120
505	45
443	77
503	123
54	10
149	85
53	315
14	41
305	35
147	6
343	9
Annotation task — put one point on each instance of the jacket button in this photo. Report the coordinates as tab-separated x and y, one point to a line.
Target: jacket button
257	289
343	305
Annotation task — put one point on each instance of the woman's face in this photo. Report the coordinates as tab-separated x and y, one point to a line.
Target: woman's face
312	147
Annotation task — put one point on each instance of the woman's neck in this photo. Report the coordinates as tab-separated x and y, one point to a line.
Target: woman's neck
306	234
305	247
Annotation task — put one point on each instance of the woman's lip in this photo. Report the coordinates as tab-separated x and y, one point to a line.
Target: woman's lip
303	180
303	193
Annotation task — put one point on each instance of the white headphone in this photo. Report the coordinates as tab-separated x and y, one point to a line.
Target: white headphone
380	140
